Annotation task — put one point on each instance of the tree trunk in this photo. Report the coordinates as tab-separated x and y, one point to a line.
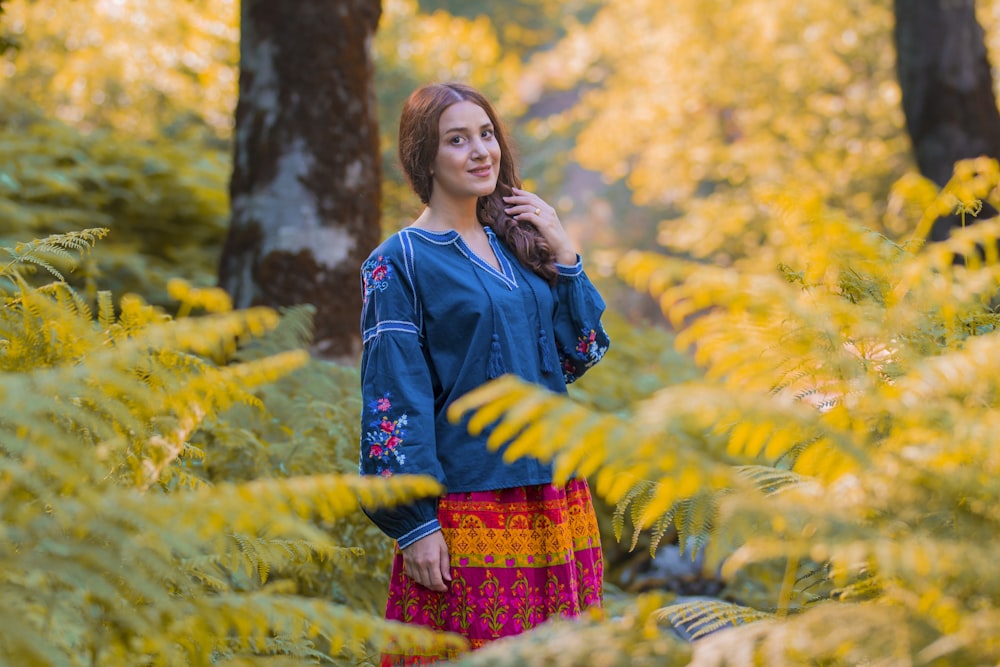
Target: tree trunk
305	187
948	101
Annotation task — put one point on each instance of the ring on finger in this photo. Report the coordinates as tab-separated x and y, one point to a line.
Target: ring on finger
538	211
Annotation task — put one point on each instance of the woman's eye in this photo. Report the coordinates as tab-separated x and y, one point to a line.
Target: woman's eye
487	134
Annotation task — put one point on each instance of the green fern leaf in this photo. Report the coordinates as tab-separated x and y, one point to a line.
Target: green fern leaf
702	617
771	480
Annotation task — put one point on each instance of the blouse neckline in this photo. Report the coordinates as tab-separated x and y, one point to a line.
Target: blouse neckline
506	273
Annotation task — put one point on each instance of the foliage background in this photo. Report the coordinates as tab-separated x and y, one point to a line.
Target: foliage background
756	152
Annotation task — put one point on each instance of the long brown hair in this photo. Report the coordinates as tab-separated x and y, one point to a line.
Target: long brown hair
418	146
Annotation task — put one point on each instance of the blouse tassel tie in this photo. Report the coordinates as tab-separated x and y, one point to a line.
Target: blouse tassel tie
545	348
545	352
496	366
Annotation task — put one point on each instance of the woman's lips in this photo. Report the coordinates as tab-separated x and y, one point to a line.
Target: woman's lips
482	171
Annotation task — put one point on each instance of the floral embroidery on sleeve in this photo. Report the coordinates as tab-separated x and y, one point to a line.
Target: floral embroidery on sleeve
376	273
385	437
589	349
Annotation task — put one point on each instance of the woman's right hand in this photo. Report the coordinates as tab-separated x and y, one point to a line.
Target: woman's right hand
524	205
426	561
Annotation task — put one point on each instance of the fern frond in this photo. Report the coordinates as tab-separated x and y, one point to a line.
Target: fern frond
41	252
280	651
863	588
206	336
628	637
699	618
639	506
37	261
845	633
250	620
260	555
324	497
661	526
294	331
68	299
694	519
584	442
210	299
105	310
771	480
618	516
199	568
135	315
758	422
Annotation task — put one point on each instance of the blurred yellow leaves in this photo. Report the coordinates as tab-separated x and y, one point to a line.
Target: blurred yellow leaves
211	299
442	47
138	65
708	106
730	91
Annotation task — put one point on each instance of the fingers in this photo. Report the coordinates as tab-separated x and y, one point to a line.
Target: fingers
445	563
526	205
426	562
427	574
431	578
525	211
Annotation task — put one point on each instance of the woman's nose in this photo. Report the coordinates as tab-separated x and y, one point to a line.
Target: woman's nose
478	147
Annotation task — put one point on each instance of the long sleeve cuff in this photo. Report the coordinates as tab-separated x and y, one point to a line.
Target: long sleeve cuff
406	523
580	338
570	270
418	533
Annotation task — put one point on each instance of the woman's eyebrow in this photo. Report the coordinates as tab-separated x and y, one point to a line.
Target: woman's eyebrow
484	126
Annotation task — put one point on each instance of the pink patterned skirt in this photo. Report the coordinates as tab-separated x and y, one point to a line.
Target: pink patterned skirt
518	557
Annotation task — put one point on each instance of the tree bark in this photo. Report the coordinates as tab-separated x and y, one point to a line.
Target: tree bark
948	101
305	186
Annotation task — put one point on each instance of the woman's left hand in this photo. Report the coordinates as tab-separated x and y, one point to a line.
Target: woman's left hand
524	205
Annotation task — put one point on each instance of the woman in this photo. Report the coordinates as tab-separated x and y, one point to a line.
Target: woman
484	282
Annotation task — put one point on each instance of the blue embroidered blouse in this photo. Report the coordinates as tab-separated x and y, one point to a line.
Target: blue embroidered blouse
438	321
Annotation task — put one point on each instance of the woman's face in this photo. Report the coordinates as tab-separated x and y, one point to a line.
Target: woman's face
468	156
